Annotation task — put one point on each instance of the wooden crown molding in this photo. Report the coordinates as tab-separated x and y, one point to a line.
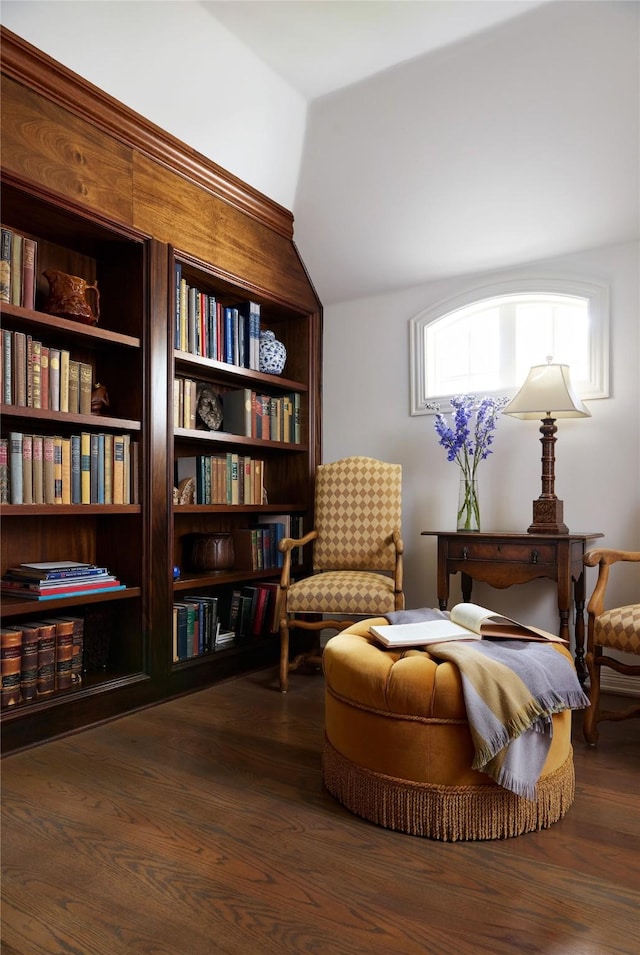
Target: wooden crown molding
27	65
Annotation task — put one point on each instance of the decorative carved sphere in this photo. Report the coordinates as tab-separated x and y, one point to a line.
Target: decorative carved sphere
273	354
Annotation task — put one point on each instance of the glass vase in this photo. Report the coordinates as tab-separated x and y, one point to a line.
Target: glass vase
468	505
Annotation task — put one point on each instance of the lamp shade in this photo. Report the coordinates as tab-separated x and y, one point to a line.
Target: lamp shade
547	392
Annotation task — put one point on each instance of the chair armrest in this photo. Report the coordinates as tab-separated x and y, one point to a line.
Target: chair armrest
397	541
603	558
285	546
603	555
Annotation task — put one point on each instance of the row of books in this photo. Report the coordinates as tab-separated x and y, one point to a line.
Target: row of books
18	256
229	478
197	628
205	327
40	657
254	610
34	375
86	468
200	627
49	581
257	548
244	412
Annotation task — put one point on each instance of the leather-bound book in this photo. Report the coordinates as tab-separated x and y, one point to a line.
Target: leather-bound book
10	663
46	680
29	664
64	651
78	648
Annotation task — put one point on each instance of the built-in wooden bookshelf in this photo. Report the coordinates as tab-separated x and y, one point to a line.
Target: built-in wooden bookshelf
111	198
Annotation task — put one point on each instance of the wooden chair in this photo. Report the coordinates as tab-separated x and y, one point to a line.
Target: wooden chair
357	554
617	629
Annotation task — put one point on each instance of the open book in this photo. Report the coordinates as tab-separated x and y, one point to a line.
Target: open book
466	622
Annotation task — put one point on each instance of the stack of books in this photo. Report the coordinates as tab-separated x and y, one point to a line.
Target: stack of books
224	639
58	578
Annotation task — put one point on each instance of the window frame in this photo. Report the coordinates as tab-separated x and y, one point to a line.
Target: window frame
597	294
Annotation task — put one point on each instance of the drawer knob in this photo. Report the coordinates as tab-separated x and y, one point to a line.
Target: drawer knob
465	553
534	556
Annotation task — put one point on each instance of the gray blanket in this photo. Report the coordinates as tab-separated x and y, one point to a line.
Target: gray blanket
511	689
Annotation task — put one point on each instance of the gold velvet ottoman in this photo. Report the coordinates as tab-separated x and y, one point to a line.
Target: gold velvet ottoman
398	750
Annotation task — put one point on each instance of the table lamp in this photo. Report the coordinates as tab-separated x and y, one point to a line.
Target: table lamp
547	394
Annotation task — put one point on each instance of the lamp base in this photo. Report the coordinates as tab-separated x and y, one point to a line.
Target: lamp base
548	517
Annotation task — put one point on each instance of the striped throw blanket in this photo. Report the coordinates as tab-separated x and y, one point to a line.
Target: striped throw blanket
511	689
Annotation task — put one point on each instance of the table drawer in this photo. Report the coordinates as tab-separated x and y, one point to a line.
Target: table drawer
511	551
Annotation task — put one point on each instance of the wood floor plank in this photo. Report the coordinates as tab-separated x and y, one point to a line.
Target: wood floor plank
201	826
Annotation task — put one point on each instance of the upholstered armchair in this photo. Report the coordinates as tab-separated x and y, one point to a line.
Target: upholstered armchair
357	553
616	629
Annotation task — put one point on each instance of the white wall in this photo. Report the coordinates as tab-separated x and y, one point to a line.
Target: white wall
180	68
366	411
217	97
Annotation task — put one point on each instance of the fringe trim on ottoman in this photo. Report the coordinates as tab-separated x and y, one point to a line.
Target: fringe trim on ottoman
448	813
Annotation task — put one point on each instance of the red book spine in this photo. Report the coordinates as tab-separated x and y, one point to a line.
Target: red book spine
28	273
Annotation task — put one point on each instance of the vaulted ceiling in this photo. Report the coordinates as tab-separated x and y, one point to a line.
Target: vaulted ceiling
454	137
319	46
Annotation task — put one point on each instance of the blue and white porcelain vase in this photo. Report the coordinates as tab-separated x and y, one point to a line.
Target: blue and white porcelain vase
273	354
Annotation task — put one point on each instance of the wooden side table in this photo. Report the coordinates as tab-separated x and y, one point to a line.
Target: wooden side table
502	559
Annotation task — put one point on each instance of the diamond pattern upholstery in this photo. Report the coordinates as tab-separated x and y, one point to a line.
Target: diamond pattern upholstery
348	591
358	504
619	629
357	552
616	629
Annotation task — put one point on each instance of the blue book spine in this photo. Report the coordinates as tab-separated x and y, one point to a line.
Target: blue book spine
211	322
100	469
235	330
228	335
181	634
201	627
255	336
67	574
82	593
76	488
93	464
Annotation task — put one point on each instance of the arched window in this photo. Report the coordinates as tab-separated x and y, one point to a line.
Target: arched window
486	340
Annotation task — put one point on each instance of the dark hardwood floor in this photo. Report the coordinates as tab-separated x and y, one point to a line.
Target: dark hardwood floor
200	826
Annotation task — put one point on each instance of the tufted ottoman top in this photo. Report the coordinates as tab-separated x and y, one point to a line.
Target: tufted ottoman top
405	682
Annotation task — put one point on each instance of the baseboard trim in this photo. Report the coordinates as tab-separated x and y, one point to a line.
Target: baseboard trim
612	682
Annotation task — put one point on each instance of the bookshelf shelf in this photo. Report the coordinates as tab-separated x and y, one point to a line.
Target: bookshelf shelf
185	362
226	438
88	688
64	328
95	220
77	510
65	418
223	577
13	607
290	508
